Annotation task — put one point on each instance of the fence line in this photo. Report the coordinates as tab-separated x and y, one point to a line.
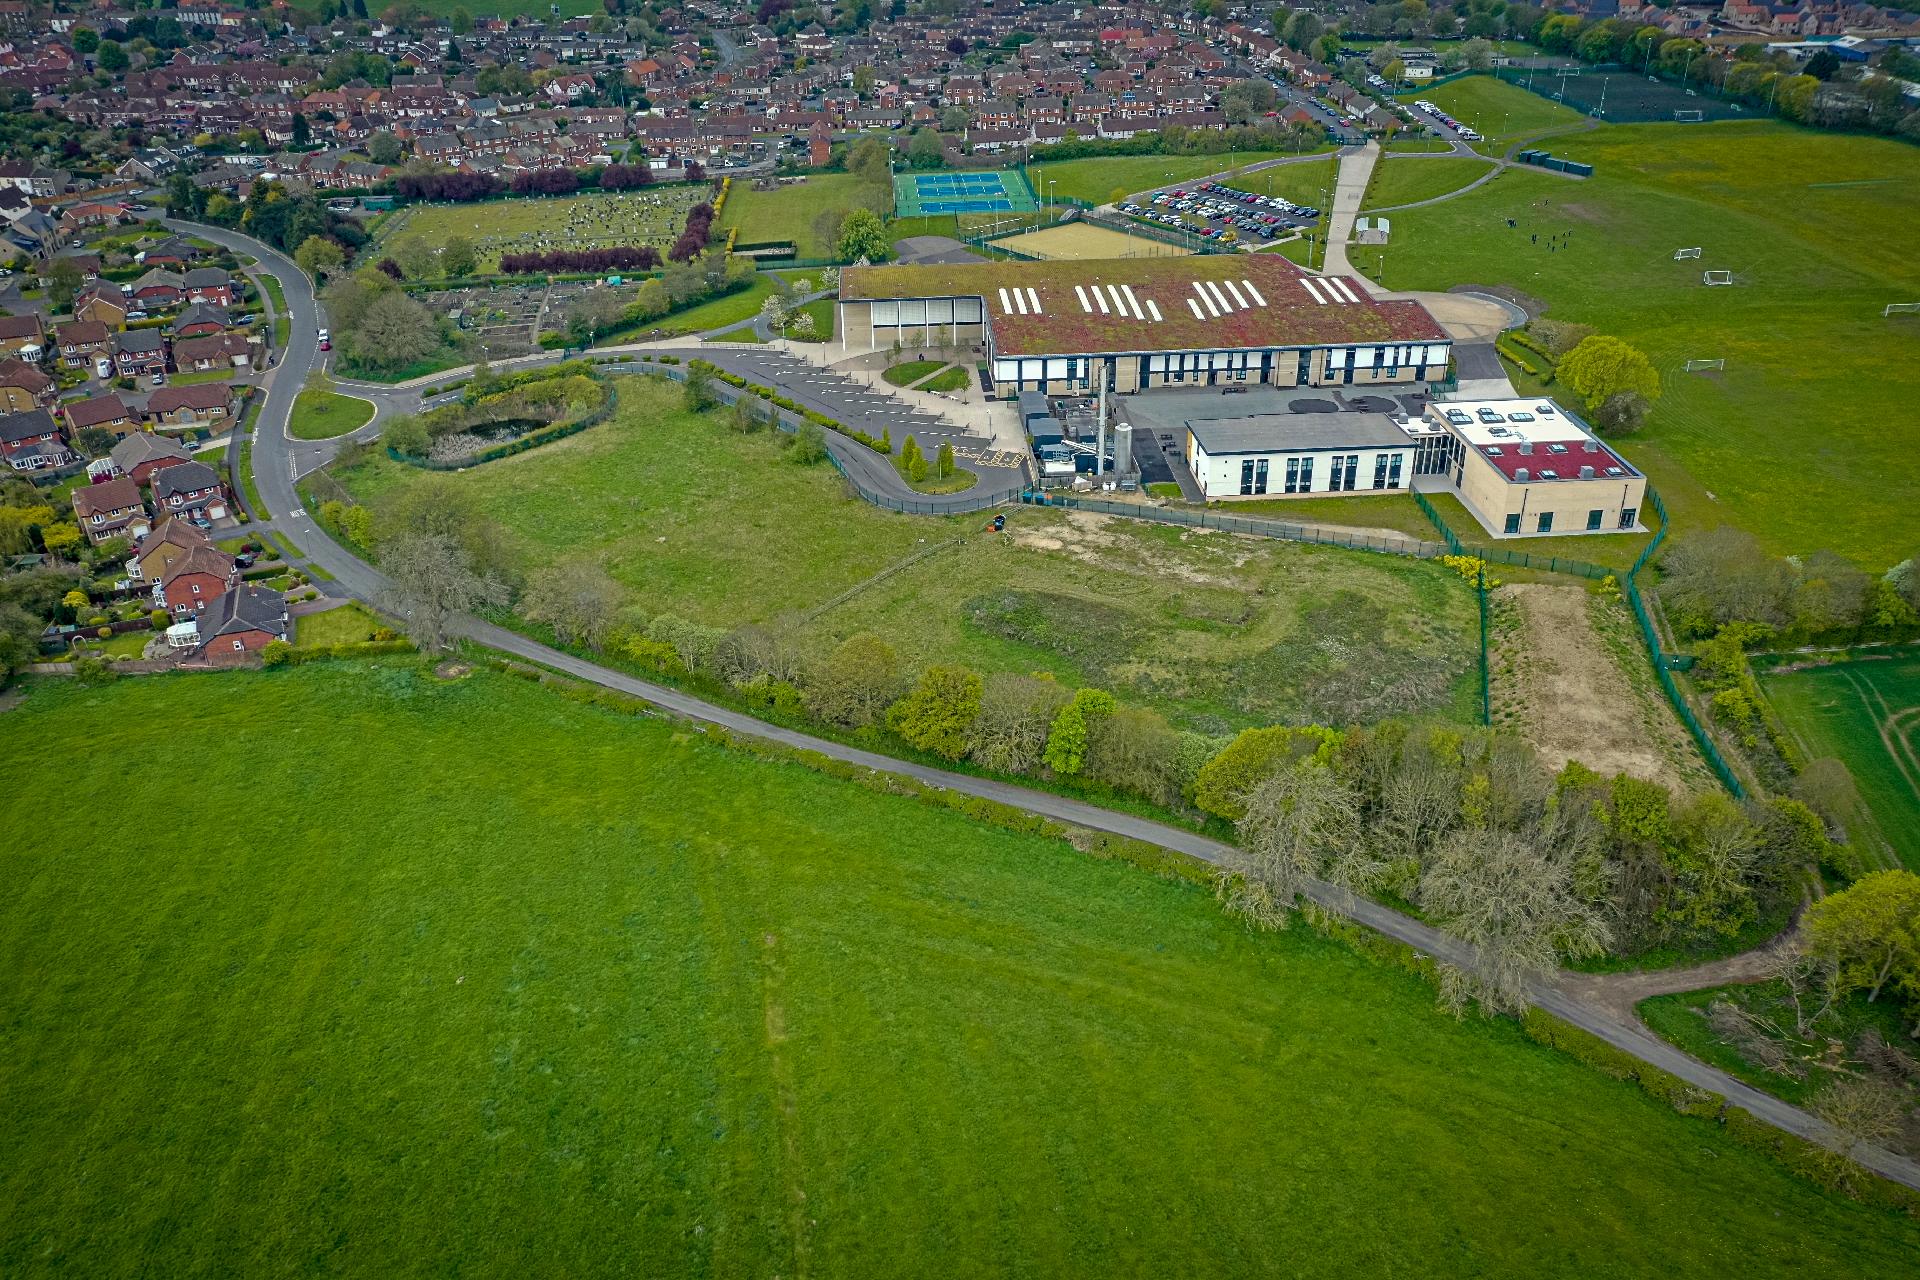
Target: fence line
1410	547
1630	587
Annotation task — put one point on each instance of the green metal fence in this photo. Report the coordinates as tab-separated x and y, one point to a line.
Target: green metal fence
1630	587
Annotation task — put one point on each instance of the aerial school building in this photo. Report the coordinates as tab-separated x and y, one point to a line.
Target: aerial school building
1144	323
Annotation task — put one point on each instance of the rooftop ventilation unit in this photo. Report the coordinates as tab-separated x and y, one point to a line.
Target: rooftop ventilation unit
1526	446
1586	473
1590	446
1523	475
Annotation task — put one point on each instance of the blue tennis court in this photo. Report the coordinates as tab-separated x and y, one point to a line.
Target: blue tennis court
998	191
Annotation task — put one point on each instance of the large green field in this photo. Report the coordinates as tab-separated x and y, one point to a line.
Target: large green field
1866	715
1800	439
507	984
791	212
1216	631
649	216
1501	113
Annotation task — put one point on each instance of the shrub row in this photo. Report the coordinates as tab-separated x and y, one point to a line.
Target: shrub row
1520	358
1556	1033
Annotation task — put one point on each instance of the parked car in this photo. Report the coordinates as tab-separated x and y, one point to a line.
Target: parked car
158	380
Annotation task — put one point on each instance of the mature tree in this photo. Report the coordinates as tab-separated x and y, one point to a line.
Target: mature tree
457	258
1246	100
1717	851
924	149
939	710
1870	933
1298	823
1831	594
871	161
1225	781
1621	413
111	57
698	392
856	683
1514	901
594	312
95	442
1723	575
384	148
1072	729
1016	713
808	445
1826	786
954	119
1603	367
1135	750
1861	1112
85	40
417	258
1302	28
578	599
19	640
433	583
407	434
1477	54
396	332
863	236
319	256
302	131
64	279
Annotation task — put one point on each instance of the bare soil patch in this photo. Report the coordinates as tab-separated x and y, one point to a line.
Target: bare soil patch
1563	688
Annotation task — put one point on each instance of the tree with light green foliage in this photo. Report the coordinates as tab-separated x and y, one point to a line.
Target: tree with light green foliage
1870	933
863	236
1068	737
937	712
1602	367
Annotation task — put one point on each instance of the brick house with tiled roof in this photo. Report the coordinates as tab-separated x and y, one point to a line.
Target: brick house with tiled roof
111	509
197	578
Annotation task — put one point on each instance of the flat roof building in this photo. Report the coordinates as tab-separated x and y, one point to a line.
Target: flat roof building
1527	467
1061	328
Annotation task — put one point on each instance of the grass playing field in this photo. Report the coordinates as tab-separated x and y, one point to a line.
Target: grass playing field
1866	715
1103	179
792	211
509	985
650	216
1795	439
1399	180
1501	113
1215	631
1080	240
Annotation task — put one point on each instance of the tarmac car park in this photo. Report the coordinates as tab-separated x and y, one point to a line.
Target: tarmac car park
1222	212
1440	117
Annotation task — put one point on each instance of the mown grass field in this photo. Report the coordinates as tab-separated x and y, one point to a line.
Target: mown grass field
1399	180
348	624
1216	631
1866	715
1797	439
790	212
1499	112
648	216
321	415
672	1011
1096	178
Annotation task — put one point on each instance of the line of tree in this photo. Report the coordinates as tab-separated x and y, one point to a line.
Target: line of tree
694	237
545	182
464	186
620	258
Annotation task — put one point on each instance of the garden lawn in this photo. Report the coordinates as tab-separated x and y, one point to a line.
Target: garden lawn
1866	714
321	415
729	309
350	623
1217	632
195	376
1399	180
821	311
950	379
1104	179
790	212
669	1010
1792	441
1499	112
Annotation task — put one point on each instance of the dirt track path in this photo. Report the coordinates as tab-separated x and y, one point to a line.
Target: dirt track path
1618	993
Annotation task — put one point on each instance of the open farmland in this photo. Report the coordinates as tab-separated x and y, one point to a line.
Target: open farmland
670	1010
1867	715
596	220
1216	631
1795	439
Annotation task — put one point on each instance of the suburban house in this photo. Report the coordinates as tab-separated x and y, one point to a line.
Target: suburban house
214	351
102	304
110	509
139	351
189	489
32	441
210	285
143	453
194	580
162	548
198	405
157	290
198	320
22	336
241	623
23	386
99	411
81	341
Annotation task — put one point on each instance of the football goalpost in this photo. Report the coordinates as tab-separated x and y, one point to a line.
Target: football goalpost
1901	308
1711	278
1696	366
1689	117
1681	255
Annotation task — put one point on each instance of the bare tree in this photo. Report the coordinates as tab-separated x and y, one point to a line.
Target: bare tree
1513	900
1016	711
1861	1113
577	599
1808	982
1301	824
433	583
